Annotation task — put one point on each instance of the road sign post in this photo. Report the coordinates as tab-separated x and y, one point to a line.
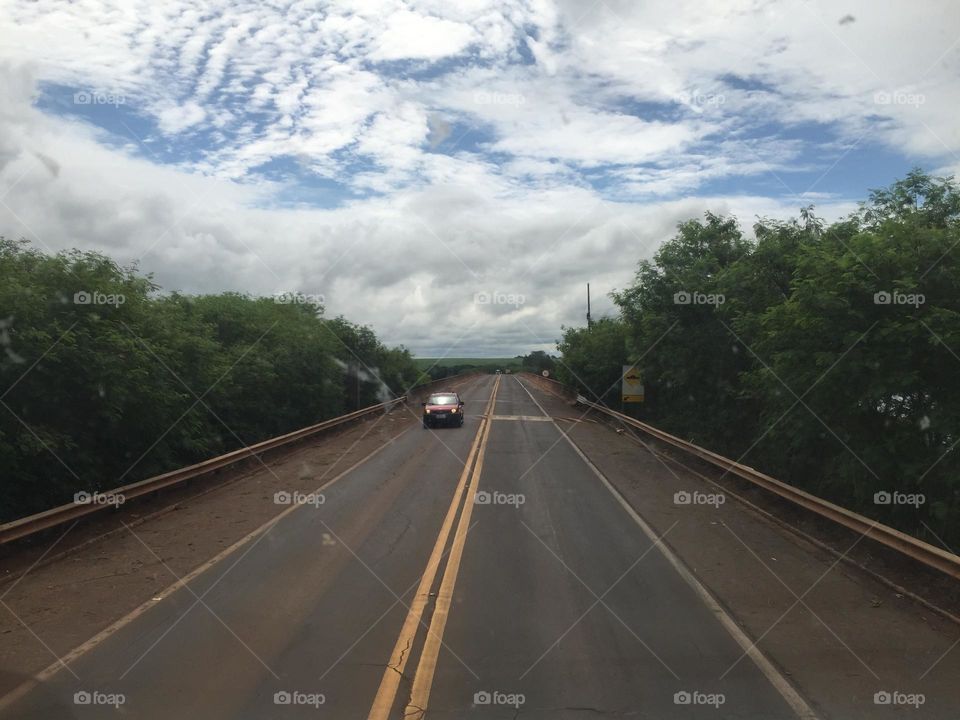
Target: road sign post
631	386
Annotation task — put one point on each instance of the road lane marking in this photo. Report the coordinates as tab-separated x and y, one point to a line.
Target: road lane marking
82	649
540	418
779	682
535	418
390	683
426	668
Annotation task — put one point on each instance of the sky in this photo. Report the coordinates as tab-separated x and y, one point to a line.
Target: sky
453	173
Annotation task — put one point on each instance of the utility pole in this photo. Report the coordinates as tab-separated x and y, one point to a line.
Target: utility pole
589	321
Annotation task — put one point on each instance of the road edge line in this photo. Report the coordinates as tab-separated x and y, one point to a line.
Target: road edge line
783	686
16	693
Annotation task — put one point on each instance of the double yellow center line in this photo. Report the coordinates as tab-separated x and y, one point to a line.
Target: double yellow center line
423	678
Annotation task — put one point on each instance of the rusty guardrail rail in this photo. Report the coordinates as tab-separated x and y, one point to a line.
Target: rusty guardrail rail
550	385
945	562
914	548
31	524
22	527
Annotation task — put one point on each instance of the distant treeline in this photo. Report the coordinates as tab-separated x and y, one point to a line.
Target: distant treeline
825	355
104	381
438	368
438	372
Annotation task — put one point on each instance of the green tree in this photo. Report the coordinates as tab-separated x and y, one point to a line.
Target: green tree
869	338
105	381
592	359
537	361
831	361
681	335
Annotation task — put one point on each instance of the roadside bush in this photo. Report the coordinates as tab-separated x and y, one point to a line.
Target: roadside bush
106	381
827	356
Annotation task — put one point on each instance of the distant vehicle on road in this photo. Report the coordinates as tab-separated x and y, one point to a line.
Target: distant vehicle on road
498	371
443	408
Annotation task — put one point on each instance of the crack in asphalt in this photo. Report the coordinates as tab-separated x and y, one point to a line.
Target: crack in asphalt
400	659
391	666
418	712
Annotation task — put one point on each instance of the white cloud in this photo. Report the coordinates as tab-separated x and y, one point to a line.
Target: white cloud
592	139
408	264
176	118
525	147
411	35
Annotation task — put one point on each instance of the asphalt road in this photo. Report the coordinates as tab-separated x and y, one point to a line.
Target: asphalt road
479	572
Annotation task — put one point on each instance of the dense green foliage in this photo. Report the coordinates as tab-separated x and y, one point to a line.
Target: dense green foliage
593	359
827	356
100	394
536	362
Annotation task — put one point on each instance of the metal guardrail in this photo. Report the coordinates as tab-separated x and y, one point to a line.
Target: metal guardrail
945	562
22	527
31	524
914	548
550	385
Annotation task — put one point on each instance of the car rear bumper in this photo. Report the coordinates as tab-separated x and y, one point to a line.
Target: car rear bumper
438	419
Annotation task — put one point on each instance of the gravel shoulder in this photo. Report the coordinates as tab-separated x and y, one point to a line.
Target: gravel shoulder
837	632
102	570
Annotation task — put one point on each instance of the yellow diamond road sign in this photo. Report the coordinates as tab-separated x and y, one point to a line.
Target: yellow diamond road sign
632	385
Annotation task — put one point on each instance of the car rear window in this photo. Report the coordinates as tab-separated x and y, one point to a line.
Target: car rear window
443	400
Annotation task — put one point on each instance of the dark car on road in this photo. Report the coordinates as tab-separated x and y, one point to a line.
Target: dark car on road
443	408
